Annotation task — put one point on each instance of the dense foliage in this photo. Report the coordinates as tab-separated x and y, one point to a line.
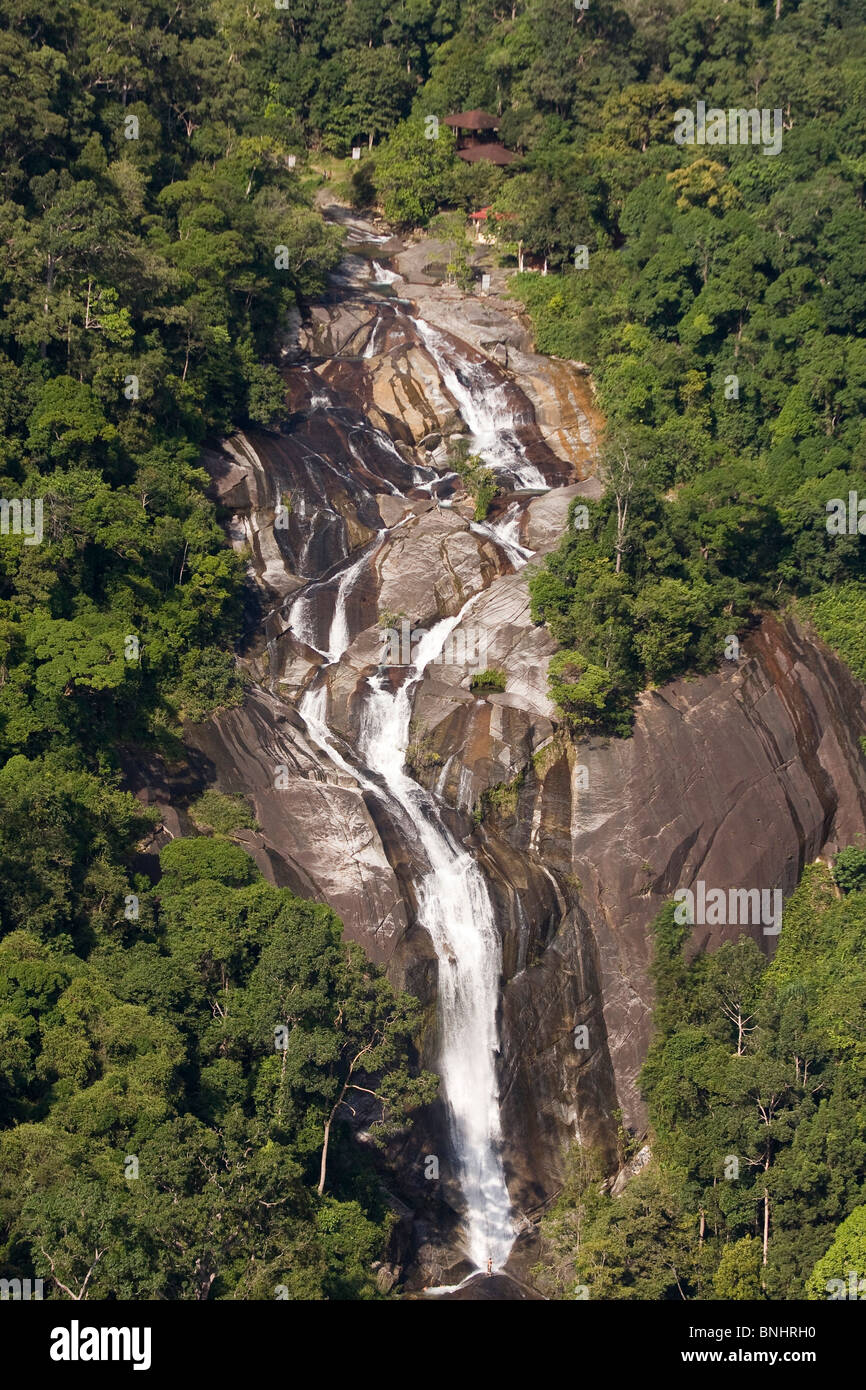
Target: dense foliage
155	238
157	228
755	1087
161	1138
145	195
722	311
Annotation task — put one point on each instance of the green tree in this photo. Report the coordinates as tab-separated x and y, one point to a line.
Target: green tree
849	870
413	174
841	1271
738	1276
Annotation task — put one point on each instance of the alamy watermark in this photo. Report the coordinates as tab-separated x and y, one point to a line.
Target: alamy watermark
854	1288
23	517
713	907
846	519
737	126
77	1343
21	1289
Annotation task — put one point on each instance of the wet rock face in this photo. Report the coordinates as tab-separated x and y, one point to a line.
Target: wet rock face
739	779
319	839
358	538
302	501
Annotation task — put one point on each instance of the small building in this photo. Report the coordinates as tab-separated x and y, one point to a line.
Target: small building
481	224
482	232
475	137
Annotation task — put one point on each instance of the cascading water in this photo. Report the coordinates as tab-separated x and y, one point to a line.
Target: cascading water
484	408
371	349
454	906
382	276
506	533
454	903
302	614
338	636
301	622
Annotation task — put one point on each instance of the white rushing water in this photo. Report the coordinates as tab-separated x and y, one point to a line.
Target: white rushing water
454	905
302	613
483	403
371	349
338	635
301	622
506	533
377	479
382	276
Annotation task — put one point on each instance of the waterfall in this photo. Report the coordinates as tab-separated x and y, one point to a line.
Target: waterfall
485	410
453	901
302	621
338	636
506	533
383	276
370	349
454	905
386	445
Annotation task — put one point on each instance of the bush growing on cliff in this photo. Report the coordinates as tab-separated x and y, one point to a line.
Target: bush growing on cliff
585	695
500	800
479	480
849	870
223	814
492	679
421	756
